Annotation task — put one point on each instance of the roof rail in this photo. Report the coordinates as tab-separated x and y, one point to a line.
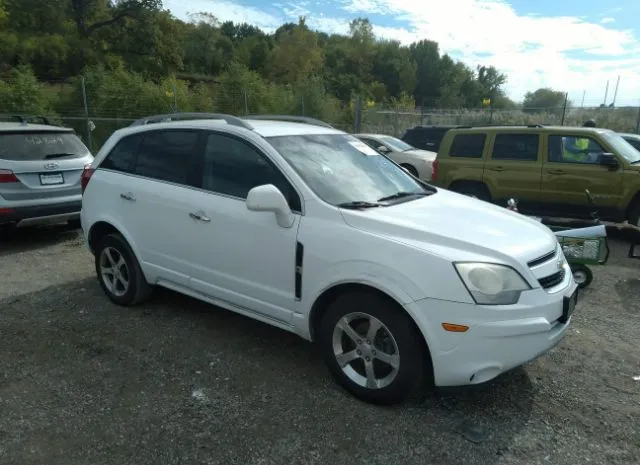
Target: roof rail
233	120
24	119
293	119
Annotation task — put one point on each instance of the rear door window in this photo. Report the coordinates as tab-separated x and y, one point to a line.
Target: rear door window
42	145
468	145
516	147
170	155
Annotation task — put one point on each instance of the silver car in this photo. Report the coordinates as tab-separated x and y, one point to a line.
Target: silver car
415	161
40	171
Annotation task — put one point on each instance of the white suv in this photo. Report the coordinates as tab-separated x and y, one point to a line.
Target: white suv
308	229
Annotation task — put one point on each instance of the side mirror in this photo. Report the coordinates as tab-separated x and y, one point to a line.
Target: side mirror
608	159
268	198
383	149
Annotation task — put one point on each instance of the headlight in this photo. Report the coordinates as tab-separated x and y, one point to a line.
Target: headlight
491	284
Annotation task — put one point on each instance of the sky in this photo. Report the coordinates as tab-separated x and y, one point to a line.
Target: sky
573	46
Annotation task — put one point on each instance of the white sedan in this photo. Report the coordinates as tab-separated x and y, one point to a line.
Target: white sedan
417	162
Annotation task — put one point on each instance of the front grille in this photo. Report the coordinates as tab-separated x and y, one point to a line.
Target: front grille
552	280
545	258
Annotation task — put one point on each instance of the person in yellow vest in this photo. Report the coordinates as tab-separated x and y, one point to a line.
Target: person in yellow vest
578	152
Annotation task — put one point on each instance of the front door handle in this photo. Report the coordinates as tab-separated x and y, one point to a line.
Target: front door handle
556	172
128	196
497	168
200	216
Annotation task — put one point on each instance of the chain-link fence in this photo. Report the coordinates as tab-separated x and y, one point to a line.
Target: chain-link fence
97	105
395	121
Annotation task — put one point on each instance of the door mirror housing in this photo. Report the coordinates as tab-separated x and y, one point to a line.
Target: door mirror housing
609	159
268	198
383	149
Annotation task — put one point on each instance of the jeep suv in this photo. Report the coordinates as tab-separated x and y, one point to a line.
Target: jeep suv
40	169
307	228
546	168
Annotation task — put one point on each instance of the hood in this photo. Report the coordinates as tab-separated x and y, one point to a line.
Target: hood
423	154
447	221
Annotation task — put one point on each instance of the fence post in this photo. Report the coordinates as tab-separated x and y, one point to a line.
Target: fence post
357	120
175	97
302	103
86	114
564	108
395	123
246	102
638	122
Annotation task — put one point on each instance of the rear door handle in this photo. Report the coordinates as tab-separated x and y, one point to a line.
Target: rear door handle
556	172
199	216
497	168
128	196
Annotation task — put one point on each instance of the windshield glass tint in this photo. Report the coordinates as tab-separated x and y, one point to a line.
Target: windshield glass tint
340	168
32	146
622	147
396	144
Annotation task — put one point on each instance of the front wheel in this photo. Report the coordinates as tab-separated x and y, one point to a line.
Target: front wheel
119	272
582	275
373	349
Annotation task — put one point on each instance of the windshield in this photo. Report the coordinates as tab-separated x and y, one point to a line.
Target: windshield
339	168
622	147
396	144
34	146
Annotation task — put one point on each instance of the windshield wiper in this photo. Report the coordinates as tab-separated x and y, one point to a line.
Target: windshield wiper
58	155
358	204
402	194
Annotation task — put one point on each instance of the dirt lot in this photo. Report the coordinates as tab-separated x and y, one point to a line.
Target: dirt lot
179	382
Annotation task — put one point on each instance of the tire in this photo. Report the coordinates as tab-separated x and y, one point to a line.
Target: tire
582	275
405	347
137	290
634	213
478	191
410	169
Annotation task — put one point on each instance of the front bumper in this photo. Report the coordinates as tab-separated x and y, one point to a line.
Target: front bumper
41	214
491	346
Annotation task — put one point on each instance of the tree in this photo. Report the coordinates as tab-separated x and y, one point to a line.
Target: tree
92	15
544	99
296	56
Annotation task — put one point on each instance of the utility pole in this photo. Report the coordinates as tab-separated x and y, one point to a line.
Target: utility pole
606	94
584	92
564	108
615	94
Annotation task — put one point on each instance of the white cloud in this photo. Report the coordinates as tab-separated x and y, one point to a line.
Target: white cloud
566	53
607	20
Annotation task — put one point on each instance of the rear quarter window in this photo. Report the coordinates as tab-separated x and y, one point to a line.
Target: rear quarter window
43	145
467	145
122	154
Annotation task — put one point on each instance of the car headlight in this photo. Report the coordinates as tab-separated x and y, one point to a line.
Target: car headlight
491	284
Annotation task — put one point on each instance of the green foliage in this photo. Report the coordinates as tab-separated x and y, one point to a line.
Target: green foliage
21	93
544	100
130	53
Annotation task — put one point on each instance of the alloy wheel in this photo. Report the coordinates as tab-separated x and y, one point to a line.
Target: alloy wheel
114	271
365	350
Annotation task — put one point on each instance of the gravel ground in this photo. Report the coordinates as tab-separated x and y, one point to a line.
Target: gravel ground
179	382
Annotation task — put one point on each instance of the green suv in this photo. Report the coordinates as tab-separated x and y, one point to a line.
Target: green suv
547	168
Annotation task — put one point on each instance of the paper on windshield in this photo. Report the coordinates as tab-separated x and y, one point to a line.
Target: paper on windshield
362	147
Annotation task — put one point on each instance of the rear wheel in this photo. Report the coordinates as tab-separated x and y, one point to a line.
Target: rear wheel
119	272
410	169
634	214
478	191
582	275
373	349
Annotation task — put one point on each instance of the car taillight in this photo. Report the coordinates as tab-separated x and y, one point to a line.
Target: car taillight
7	176
86	177
434	170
